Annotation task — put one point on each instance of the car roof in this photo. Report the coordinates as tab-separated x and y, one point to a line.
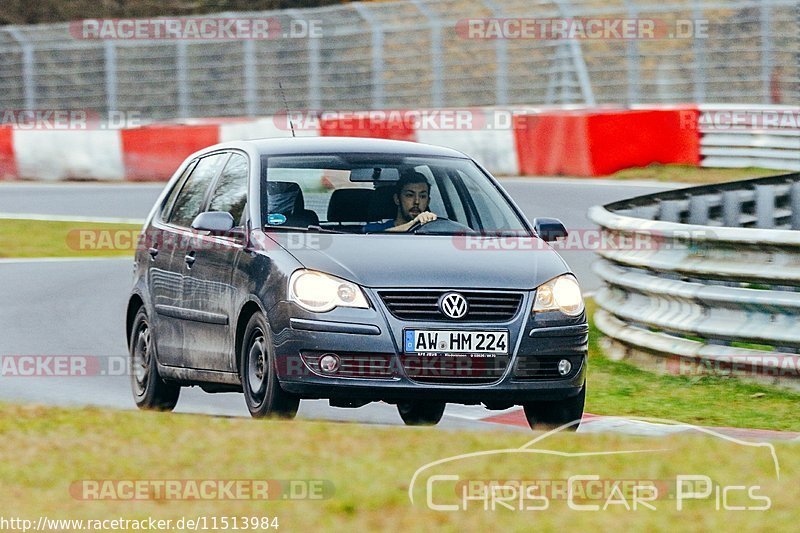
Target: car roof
337	145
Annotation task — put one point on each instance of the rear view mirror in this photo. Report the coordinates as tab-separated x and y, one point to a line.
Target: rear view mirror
214	222
549	229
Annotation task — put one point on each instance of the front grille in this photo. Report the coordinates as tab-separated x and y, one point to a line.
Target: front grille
355	365
454	370
484	306
533	367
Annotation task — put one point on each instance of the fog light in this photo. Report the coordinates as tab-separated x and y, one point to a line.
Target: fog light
564	367
329	363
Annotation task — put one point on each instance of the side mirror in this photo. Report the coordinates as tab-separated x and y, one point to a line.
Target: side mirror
214	222
549	229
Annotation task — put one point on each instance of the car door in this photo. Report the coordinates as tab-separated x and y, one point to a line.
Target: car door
209	262
164	282
173	316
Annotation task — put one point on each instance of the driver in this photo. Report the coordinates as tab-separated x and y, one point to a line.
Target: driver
412	195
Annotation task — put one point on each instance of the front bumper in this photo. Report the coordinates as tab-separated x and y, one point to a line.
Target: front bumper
373	332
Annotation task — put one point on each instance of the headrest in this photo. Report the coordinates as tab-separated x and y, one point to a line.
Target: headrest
349	205
284	197
381	205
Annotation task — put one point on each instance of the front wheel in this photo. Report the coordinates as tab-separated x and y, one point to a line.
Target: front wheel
149	390
262	391
421	413
546	415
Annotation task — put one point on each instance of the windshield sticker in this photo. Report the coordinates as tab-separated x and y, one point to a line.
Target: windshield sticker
276	219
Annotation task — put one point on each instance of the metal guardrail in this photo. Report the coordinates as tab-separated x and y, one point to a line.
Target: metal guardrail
705	279
756	145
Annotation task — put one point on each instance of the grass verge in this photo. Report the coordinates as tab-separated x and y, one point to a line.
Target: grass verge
691	174
34	238
51	455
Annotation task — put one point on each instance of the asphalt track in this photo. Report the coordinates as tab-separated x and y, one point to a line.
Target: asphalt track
76	307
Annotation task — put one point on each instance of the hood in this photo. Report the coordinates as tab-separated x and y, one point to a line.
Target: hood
429	261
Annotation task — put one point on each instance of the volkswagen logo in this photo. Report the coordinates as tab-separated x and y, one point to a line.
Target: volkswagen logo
453	305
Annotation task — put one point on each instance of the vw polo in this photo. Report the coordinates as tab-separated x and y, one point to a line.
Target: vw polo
353	270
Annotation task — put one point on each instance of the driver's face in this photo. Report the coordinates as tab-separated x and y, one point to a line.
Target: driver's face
412	201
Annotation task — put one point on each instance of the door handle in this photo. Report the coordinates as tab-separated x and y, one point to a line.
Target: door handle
190	259
153	252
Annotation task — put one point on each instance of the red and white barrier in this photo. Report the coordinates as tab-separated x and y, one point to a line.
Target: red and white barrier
571	141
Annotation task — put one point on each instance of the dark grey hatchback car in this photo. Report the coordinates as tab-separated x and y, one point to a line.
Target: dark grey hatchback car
353	270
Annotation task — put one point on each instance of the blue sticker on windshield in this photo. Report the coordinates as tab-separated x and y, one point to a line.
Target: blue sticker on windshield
276	219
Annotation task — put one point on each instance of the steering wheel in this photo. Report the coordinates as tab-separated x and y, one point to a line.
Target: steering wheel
443	225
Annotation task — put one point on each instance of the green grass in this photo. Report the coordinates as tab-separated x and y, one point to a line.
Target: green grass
692	174
46	450
33	238
620	388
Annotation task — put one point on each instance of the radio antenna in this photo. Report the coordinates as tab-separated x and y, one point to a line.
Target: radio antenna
286	105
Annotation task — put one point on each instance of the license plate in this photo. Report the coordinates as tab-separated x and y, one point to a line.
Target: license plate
450	341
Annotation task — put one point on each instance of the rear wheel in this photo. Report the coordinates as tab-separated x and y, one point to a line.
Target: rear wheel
547	415
421	413
262	391
149	390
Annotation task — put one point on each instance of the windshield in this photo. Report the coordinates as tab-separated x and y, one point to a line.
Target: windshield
364	194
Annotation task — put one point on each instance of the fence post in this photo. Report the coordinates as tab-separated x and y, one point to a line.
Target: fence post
29	83
578	62
110	52
634	70
500	59
699	51
766	50
377	53
249	67
182	78
437	63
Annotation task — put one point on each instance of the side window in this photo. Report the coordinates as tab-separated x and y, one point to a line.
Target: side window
167	207
230	194
190	199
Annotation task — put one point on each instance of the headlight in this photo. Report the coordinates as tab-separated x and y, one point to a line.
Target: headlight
321	292
559	294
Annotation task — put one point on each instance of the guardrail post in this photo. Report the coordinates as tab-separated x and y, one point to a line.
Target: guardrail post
794	200
765	206
731	207
698	210
670	211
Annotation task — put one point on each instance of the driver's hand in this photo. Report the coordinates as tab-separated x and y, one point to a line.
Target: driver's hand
424	218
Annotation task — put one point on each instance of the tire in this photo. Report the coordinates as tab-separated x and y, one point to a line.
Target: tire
257	369
421	413
150	392
550	415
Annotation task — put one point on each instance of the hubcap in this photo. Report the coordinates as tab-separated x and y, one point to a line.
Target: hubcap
256	365
141	358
